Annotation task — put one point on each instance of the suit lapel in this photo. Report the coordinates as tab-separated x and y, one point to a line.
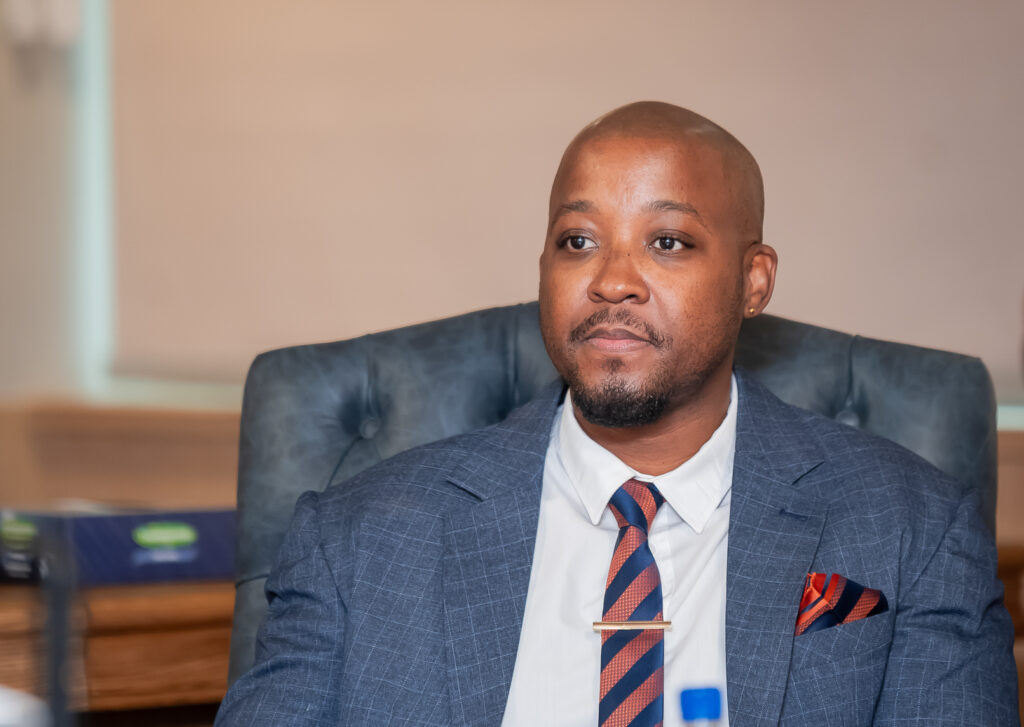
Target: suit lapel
489	542
774	530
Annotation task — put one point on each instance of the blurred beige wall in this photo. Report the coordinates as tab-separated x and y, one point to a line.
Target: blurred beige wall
36	312
289	172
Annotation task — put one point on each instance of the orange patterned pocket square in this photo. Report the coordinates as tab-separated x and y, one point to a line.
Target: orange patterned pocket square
830	600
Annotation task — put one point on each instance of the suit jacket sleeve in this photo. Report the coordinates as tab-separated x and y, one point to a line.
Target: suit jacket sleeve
951	660
299	648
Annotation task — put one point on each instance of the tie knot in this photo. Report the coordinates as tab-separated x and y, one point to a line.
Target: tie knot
636	503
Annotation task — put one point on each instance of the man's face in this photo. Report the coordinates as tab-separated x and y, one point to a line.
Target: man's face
641	278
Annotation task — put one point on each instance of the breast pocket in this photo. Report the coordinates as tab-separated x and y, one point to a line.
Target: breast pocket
857	643
836	674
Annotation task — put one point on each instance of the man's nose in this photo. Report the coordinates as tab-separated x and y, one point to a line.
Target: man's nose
618	279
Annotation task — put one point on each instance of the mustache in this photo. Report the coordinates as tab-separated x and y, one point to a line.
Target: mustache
621	317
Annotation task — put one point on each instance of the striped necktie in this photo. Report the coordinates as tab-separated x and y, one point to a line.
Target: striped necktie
632	661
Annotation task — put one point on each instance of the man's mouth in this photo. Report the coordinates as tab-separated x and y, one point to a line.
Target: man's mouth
616	332
616	339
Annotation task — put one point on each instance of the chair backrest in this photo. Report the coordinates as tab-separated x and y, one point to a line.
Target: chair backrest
315	415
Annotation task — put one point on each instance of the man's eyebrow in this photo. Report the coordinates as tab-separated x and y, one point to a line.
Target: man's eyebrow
658	205
668	205
577	205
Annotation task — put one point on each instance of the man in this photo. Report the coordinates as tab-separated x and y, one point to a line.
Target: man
663	524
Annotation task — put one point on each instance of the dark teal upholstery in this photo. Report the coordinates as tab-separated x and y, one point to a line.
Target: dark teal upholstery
315	415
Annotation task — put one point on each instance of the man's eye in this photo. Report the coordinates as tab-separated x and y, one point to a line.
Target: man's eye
577	242
669	243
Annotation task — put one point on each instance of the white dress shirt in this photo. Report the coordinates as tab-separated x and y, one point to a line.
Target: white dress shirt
558	665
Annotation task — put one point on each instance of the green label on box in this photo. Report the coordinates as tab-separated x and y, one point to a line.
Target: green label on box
165	535
18	534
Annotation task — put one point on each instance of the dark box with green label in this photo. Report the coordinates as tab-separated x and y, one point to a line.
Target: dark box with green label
121	547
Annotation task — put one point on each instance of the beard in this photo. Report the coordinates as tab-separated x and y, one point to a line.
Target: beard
614	403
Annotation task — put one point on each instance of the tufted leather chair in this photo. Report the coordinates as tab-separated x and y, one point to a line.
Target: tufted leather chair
315	415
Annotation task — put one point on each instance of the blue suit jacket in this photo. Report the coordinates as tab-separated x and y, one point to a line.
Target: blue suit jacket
398	597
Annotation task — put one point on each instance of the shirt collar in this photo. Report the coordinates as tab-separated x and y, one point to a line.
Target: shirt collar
694	489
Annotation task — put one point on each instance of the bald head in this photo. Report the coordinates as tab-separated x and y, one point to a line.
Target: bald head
656	121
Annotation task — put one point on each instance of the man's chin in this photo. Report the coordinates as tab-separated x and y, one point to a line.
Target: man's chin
617	405
632	366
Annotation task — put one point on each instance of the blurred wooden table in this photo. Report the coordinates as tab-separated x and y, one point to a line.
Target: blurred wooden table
139	646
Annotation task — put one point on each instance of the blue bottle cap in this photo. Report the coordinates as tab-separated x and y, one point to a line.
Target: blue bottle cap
701	703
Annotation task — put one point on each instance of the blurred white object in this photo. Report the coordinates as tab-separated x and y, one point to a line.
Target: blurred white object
49	22
18	709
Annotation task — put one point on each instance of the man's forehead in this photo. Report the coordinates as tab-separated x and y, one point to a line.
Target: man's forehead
624	153
620	164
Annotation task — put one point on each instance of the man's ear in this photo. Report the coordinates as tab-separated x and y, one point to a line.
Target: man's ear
759	264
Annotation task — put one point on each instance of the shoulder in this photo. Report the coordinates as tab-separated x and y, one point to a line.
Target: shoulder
852	470
426	481
880	467
885	512
888	506
858	452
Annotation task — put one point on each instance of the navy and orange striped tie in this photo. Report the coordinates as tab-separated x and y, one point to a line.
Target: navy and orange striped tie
632	661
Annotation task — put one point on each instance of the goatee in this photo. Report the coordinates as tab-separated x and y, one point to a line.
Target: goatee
614	404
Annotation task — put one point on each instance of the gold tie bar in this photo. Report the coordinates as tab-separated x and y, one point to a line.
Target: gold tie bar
632	625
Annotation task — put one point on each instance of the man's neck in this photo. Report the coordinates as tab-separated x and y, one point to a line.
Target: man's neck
675	437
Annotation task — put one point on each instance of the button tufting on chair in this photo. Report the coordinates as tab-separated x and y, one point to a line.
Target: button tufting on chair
369	428
848	417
